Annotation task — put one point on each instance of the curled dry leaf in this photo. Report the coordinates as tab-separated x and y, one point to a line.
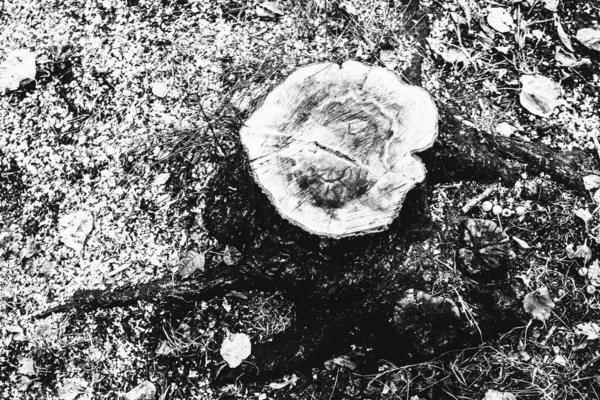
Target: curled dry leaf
539	95
522	244
19	66
539	304
565	58
74	229
500	19
589	329
590	38
236	347
191	262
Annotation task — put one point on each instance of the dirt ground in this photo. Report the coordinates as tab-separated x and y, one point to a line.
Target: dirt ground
136	103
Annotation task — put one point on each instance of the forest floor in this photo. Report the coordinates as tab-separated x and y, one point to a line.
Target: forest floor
136	102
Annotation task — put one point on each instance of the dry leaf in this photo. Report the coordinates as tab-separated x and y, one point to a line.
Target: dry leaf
144	391
161	179
452	56
591	182
593	274
464	4
583	214
191	262
236	348
562	35
26	366
590	38
74	229
500	19
269	10
18	66
390	59
551	5
539	95
523	244
287	380
492	394
583	251
589	329
539	304
231	255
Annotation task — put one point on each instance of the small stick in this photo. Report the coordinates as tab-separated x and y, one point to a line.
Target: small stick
596	143
474	201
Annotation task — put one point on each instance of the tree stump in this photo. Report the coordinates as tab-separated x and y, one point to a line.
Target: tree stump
332	146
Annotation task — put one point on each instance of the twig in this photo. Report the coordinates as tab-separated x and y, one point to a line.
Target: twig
597	144
474	201
210	127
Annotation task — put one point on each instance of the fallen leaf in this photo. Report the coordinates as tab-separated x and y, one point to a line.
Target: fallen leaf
593	273
523	244
287	380
164	349
560	360
589	329
500	19
191	262
19	66
591	182
231	255
161	179
74	229
565	58
144	391
539	304
597	196
589	37
23	383
551	5
26	366
236	347
464	4
583	214
345	362
452	56
562	35
492	394
539	95
505	129
390	59
269	10
582	251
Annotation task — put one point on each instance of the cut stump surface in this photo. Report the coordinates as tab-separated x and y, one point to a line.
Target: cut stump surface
333	146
